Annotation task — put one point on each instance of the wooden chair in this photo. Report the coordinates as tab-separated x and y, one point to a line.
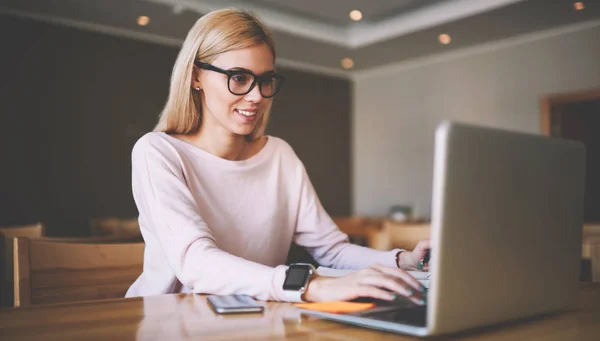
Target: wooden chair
105	239
53	272
595	261
33	230
115	227
590	250
6	251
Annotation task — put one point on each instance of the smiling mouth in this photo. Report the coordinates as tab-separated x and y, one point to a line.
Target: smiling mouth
246	112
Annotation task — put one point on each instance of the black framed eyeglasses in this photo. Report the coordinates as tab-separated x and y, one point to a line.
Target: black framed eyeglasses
241	82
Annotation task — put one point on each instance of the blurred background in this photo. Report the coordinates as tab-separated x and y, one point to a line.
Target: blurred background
367	83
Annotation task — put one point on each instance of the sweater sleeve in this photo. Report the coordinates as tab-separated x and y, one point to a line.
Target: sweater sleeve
330	247
171	214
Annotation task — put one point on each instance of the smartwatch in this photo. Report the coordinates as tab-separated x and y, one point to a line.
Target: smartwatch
296	281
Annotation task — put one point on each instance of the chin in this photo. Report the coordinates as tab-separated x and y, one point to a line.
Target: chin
243	132
243	128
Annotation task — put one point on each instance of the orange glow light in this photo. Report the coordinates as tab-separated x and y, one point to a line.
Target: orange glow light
347	63
444	39
143	20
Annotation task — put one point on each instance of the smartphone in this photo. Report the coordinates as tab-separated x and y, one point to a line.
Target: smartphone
233	304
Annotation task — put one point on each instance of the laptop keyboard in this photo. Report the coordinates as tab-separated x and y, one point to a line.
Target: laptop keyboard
412	315
401	311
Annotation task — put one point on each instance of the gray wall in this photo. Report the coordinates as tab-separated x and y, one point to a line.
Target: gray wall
397	109
74	102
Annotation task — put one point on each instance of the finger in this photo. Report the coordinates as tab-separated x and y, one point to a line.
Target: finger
375	292
370	271
401	275
422	246
417	300
389	283
425	243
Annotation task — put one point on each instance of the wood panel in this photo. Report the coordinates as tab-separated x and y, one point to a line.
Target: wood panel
63	271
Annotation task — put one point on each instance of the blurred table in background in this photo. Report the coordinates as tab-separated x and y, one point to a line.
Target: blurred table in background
386	234
383	233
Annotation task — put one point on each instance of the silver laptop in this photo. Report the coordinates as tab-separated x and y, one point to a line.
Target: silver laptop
507	219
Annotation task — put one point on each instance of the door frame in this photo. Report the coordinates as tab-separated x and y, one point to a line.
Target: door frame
548	101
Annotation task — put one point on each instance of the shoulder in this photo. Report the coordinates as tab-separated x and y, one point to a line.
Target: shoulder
153	141
154	145
287	156
282	147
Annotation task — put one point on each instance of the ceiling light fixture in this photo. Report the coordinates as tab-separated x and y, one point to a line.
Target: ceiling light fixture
178	9
444	39
143	20
356	15
579	6
347	63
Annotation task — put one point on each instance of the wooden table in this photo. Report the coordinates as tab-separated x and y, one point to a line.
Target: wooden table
188	317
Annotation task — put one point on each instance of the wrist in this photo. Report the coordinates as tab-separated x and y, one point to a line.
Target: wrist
311	294
297	278
404	260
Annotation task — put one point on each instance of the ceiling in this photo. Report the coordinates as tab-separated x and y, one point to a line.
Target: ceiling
317	34
336	12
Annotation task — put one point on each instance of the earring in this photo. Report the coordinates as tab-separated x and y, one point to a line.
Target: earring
198	89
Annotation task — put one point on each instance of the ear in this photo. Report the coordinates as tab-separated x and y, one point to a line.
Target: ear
196	83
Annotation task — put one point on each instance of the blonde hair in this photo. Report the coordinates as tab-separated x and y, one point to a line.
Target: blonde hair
215	33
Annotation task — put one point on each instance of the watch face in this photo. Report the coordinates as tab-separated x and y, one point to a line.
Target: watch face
296	278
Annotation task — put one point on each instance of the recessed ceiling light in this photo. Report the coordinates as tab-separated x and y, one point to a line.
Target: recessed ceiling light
579	6
143	20
356	15
347	63
444	39
178	9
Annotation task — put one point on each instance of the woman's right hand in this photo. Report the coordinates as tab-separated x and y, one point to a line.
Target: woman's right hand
378	281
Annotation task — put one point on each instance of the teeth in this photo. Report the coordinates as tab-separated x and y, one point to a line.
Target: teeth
246	113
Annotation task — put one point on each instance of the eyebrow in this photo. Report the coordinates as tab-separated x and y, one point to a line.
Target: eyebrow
247	70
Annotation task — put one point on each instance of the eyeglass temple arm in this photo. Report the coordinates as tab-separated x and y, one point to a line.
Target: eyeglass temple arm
207	66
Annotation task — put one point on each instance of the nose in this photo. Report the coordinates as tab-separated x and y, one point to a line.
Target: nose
254	95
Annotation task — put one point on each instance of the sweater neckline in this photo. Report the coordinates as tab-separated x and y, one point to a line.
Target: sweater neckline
255	159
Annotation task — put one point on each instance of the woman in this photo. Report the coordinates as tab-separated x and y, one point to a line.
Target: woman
220	203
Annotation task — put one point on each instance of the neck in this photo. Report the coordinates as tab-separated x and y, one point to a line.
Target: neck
222	143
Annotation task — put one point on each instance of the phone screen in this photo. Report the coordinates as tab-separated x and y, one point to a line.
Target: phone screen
230	304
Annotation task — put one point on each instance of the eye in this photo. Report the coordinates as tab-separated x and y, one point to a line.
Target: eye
241	78
269	81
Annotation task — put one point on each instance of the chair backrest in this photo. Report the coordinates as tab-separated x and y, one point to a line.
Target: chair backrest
115	227
52	272
31	231
106	239
6	251
590	251
590	237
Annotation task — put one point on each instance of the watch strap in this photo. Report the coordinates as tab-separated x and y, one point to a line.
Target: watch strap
293	296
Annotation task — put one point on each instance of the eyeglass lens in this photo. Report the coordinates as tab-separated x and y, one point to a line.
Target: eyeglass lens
241	83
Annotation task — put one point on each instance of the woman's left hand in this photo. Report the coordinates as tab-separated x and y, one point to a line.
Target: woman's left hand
408	260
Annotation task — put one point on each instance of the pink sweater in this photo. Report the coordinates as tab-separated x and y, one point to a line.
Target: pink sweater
217	226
